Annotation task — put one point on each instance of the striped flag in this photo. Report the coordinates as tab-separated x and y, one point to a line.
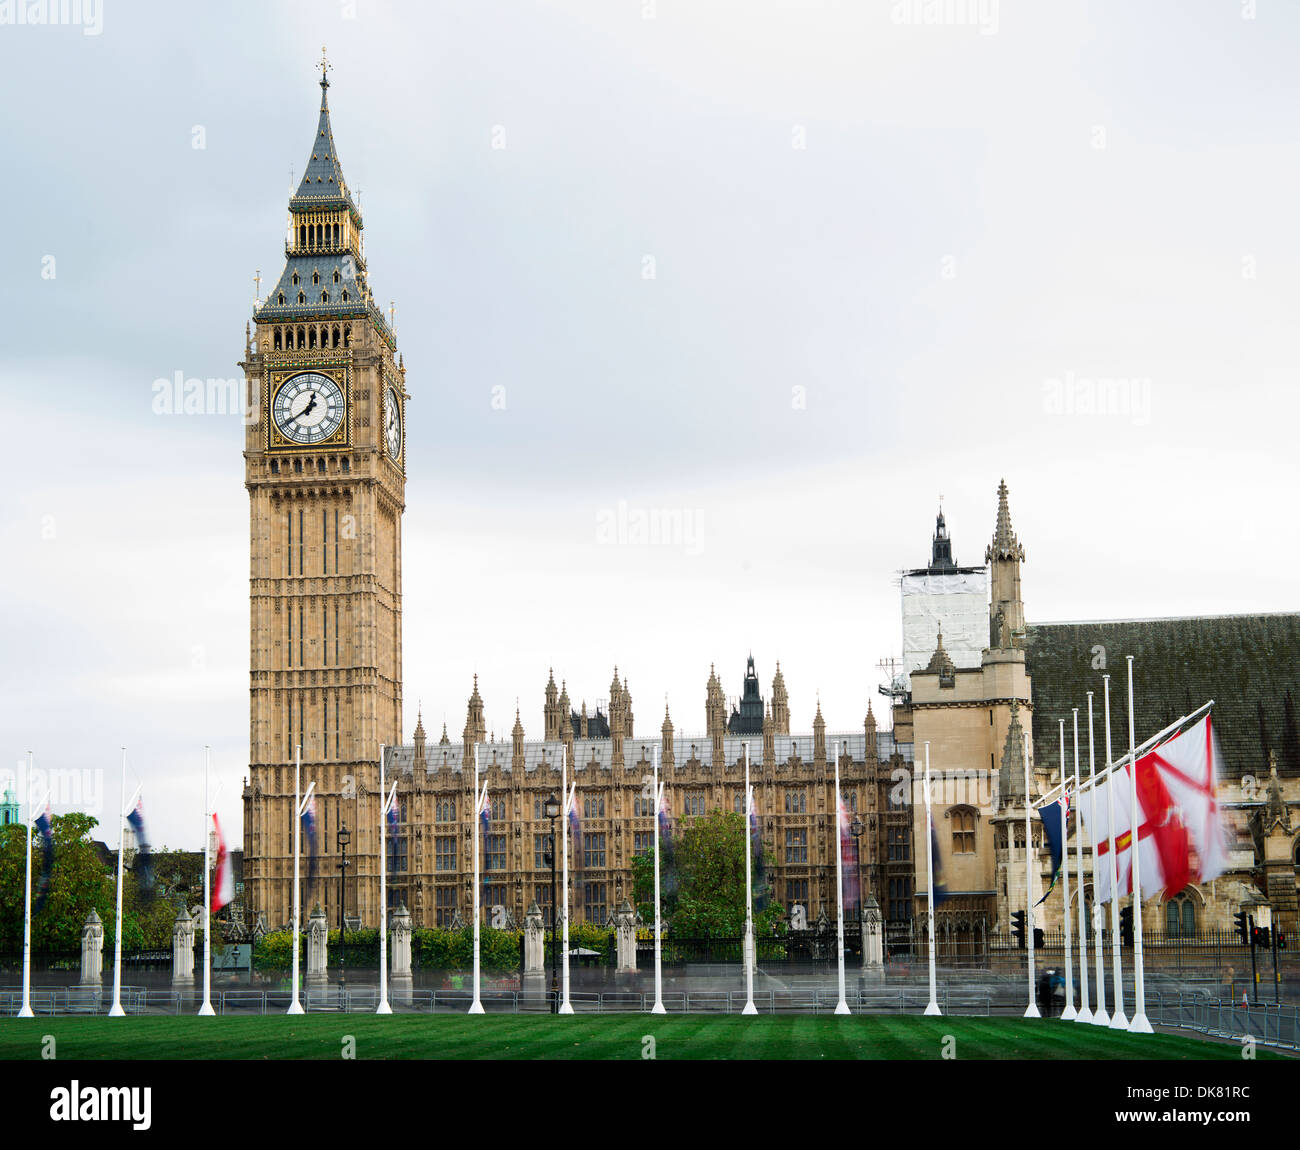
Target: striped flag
223	890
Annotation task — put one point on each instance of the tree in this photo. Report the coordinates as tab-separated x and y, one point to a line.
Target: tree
78	883
702	889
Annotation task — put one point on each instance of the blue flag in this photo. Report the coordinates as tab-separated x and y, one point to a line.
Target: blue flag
46	832
309	830
1050	813
940	884
143	866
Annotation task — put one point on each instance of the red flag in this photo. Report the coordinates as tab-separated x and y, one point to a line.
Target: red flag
223	890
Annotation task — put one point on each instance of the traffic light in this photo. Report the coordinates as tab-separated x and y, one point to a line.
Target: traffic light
1281	941
1261	937
1126	925
1018	928
1038	937
1243	929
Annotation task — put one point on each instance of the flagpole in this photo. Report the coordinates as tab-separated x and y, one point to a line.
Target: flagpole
566	1007
26	1010
749	1008
116	1011
476	1007
1031	1011
383	1007
1085	1010
658	1007
1139	1024
206	1008
1118	1021
1099	1016
1069	1013
933	1006
295	1007
841	1007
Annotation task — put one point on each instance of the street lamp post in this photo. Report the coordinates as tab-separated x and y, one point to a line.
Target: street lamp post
551	808
344	837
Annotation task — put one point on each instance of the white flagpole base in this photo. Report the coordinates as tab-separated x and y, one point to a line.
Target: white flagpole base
1085	1015
565	1008
116	1011
1069	1014
206	1010
1118	1021
295	1007
842	1007
658	1008
1140	1025
475	1007
26	1012
1031	1011
933	1008
1100	1018
384	1008
750	1008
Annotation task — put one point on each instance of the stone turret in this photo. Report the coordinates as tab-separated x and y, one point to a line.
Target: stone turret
780	702
1004	555
517	747
419	740
551	712
475	725
666	733
819	736
769	738
566	727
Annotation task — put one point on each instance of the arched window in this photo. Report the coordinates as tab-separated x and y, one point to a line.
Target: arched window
335	335
1180	917
302	298
347	465
320	466
336	275
963	831
275	467
281	298
347	328
324	297
302	337
297	466
345	295
311	336
295	279
315	277
277	339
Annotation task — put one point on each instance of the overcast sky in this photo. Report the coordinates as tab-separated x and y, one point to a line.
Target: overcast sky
789	271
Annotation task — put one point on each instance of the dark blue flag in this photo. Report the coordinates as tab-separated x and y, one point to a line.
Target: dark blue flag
1050	813
46	832
143	865
940	884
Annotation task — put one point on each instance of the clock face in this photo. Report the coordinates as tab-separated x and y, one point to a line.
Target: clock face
393	424
308	408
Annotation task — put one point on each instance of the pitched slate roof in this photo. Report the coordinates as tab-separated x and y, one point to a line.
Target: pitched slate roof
322	184
1239	661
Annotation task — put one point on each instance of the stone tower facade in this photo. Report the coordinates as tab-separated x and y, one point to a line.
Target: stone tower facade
325	473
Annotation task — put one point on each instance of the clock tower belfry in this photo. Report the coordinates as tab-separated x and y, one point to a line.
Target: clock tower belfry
325	469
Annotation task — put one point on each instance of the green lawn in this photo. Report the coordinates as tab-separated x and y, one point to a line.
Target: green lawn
693	1036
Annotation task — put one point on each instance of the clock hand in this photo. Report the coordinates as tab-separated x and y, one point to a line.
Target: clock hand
307	410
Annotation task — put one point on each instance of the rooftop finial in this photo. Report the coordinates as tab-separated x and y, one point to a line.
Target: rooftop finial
325	66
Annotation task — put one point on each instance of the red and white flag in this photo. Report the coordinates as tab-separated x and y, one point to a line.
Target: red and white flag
1181	832
223	890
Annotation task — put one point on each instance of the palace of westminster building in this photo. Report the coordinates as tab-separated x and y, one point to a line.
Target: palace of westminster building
325	472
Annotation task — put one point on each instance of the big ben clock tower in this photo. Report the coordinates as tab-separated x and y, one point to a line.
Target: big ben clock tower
325	467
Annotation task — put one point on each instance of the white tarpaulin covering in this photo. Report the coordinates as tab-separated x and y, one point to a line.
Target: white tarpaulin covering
959	603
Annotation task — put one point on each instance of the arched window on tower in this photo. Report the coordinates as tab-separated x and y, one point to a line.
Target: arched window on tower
297	466
277	339
315	277
347	466
275	467
281	299
302	298
335	334
324	297
295	279
320	466
302	337
311	336
347	329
